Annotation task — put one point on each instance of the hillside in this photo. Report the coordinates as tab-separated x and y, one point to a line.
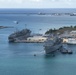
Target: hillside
61	30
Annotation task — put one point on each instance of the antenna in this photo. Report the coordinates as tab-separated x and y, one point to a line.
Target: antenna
16	22
25	26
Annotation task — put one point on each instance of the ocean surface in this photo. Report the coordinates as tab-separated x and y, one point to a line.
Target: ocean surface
19	59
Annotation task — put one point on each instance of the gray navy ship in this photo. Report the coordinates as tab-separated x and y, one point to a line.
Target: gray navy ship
52	44
19	35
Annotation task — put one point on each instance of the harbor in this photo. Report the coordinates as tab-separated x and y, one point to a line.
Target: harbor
67	34
52	42
18	57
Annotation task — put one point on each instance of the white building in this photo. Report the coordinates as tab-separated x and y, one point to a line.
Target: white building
36	39
73	33
65	40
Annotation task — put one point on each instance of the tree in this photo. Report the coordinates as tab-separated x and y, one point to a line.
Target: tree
74	26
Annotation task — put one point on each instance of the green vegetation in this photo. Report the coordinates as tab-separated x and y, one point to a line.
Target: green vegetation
61	30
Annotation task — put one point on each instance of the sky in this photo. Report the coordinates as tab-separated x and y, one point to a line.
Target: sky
37	3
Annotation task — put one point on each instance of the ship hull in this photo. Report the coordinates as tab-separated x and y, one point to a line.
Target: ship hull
49	49
71	41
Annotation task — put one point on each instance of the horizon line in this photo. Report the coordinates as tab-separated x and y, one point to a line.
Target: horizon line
37	8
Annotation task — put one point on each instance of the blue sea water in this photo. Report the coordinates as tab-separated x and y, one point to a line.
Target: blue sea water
18	58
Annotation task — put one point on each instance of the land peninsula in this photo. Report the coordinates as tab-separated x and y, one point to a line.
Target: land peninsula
2	27
61	30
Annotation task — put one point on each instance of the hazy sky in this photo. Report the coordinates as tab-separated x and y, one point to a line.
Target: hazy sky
37	3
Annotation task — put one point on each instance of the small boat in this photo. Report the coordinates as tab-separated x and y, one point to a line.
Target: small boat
64	50
16	22
70	52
